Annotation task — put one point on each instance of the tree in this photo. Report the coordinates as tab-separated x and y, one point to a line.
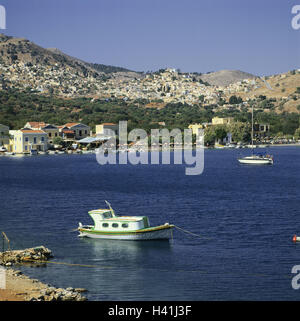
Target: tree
297	133
241	132
221	132
233	100
209	135
57	141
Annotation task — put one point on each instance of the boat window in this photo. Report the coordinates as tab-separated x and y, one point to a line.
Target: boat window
106	215
125	225
115	225
105	225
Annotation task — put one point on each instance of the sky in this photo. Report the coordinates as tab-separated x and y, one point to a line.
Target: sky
145	35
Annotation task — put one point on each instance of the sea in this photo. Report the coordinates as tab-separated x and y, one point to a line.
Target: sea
242	217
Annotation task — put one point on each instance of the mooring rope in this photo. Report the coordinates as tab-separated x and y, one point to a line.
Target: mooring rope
194	234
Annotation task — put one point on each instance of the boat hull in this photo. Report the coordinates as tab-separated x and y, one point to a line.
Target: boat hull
163	232
256	161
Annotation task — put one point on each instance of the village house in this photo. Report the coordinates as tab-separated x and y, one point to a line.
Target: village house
261	130
106	128
222	121
51	130
80	130
66	134
195	128
26	140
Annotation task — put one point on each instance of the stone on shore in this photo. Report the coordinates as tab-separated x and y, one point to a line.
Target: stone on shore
39	253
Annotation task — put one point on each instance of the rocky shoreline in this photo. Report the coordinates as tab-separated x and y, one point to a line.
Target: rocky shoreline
19	287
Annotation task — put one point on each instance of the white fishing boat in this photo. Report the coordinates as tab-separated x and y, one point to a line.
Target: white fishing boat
256	159
107	225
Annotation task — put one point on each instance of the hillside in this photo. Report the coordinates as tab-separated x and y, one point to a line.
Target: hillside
23	64
27	66
282	89
226	77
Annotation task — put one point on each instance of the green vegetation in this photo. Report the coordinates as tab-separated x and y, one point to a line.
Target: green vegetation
16	108
107	68
233	100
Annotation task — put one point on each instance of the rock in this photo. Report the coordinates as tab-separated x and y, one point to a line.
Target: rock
80	290
17	273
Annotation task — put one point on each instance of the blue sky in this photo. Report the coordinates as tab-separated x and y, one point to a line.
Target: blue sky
192	35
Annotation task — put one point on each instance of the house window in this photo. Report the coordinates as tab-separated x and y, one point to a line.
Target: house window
26	147
85	131
42	139
125	225
80	132
55	134
105	225
115	225
34	140
50	134
26	139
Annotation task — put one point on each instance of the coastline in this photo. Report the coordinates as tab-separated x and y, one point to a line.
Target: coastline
15	286
20	287
160	149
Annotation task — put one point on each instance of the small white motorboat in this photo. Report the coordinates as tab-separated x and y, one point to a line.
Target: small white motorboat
107	225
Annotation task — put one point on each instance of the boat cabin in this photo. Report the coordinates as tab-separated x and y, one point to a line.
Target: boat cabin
106	220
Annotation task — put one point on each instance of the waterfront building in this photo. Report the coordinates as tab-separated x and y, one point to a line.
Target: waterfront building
195	128
51	130
25	140
80	130
105	129
261	130
66	134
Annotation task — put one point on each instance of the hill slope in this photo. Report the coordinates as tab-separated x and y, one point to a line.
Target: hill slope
226	77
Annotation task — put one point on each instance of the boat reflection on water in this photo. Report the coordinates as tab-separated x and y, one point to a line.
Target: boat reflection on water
125	252
126	268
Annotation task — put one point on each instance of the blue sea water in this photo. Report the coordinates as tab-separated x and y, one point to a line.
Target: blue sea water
246	216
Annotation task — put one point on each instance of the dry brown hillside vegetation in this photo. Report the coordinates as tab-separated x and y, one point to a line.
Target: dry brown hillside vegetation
282	87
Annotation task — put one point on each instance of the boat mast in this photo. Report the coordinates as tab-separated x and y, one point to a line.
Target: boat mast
252	132
111	210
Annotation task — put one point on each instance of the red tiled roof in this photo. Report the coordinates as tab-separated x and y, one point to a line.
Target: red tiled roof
71	124
31	131
68	131
36	124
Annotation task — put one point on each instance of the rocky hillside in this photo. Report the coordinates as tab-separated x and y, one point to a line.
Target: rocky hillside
226	77
23	64
27	66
